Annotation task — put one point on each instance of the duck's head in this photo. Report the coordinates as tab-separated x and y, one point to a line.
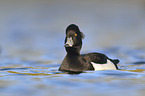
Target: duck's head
73	39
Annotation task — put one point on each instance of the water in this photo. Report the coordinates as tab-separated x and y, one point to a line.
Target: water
32	37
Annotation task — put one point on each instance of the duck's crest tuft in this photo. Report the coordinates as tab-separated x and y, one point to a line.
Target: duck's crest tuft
82	35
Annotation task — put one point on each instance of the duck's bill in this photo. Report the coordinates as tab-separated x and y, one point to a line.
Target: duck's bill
69	42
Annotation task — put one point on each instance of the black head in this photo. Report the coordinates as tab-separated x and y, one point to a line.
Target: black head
73	40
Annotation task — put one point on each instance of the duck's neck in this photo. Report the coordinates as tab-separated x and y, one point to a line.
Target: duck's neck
73	51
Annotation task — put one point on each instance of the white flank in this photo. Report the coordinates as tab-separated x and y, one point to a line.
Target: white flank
108	66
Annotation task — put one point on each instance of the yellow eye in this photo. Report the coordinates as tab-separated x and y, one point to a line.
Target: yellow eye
76	34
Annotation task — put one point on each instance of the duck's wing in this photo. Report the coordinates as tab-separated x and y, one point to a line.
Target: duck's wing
95	57
98	58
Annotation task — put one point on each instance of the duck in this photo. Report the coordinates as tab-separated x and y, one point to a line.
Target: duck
74	62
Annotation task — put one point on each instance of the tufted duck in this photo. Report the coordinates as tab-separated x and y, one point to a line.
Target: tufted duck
76	62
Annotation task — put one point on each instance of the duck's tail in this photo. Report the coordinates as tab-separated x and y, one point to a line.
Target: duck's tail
115	61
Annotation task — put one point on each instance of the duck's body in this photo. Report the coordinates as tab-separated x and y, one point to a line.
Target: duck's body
75	62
